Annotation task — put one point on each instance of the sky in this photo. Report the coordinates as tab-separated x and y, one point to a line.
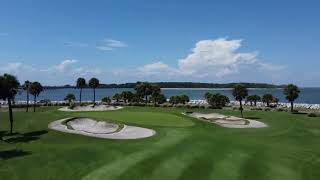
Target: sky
117	41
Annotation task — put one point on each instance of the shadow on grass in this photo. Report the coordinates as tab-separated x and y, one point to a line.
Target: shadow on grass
300	113
23	138
8	154
253	118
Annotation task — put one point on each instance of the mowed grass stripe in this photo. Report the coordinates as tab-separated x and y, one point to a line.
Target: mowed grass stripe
229	167
114	169
144	169
173	168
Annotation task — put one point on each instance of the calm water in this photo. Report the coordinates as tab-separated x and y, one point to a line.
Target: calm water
308	95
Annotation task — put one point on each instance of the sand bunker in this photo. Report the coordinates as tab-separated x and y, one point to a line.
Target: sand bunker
100	129
228	121
91	108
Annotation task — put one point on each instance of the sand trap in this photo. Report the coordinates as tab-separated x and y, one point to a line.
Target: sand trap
100	129
228	121
91	108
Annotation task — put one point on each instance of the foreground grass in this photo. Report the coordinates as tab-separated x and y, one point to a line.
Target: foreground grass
184	148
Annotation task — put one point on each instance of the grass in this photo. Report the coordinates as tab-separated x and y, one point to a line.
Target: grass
184	148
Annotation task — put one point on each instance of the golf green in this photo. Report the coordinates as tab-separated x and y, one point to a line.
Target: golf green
183	148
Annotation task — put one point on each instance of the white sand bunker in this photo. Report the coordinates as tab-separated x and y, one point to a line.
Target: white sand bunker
228	121
100	129
91	108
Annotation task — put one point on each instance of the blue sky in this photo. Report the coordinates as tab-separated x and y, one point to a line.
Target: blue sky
124	41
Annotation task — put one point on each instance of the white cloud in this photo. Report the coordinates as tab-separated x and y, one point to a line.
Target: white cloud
76	44
218	60
217	57
64	65
111	44
62	73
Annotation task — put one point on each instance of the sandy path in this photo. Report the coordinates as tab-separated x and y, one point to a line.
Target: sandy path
127	132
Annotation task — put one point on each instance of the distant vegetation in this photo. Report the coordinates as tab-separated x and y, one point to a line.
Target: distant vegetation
181	85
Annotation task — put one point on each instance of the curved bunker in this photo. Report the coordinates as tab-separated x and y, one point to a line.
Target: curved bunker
100	129
89	108
228	121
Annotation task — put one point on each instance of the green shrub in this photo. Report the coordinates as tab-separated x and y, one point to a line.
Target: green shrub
312	115
72	105
256	109
267	109
280	110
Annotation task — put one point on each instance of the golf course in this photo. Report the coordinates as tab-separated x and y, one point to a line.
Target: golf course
183	147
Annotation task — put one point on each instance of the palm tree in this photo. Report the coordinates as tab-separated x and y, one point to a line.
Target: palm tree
240	92
126	96
70	97
216	100
250	99
116	97
106	100
267	98
184	99
255	99
26	87
158	98
292	93
81	83
9	88
144	89
94	83
35	89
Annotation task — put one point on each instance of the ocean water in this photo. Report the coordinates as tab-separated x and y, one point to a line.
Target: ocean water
307	95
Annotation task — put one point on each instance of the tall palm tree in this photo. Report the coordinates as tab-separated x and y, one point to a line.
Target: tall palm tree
94	83
9	88
144	89
292	93
26	87
240	92
35	89
81	83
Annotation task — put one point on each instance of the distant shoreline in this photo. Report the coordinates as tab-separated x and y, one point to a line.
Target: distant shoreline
190	85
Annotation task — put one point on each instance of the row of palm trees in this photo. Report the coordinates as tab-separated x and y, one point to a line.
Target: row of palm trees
240	93
9	87
93	83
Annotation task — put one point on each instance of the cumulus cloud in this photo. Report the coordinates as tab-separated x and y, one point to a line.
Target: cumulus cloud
218	57
111	44
218	60
76	44
61	73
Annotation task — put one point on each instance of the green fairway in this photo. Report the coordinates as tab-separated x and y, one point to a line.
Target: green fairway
183	148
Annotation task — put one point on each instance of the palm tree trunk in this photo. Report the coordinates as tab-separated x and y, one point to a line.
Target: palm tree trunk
291	106
27	101
10	115
255	103
34	103
80	95
241	109
94	97
146	99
